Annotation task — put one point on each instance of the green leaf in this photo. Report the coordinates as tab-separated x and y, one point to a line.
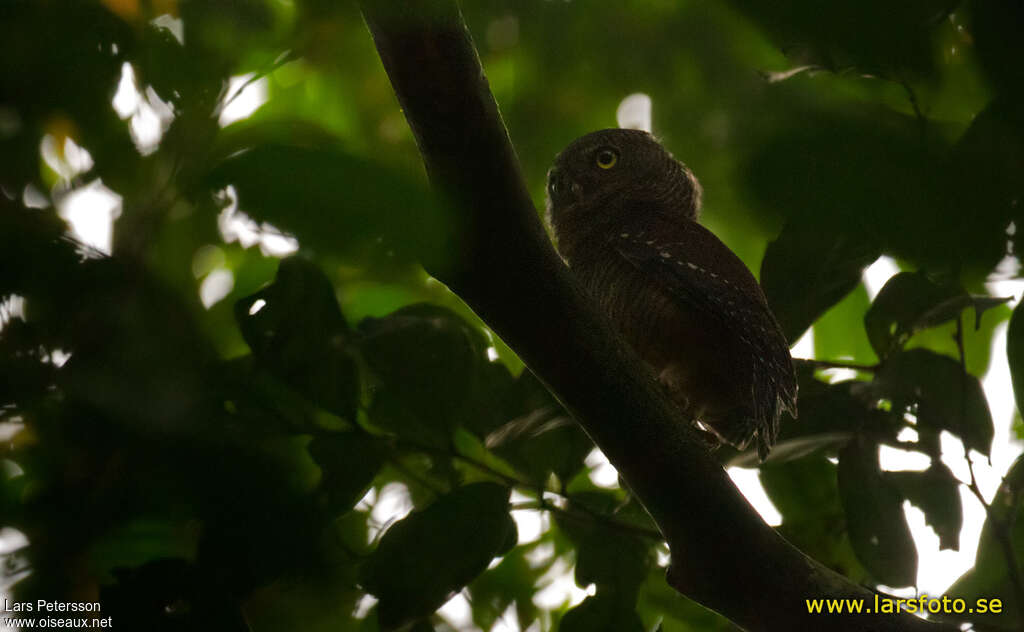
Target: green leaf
87	84
541	439
994	26
137	354
859	181
513	580
947	398
181	75
255	490
467	445
804	275
297	332
497	399
660	602
990	578
934	491
26	375
838	335
428	556
806	494
977	343
801	489
378	215
35	259
909	301
348	462
616	561
989	156
1015	353
794	449
323	601
171	594
874	37
601	614
900	305
429	362
140	541
874	517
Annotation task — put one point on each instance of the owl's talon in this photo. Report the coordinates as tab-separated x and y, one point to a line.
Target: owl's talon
709	439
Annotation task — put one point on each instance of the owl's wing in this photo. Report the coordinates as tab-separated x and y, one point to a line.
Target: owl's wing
700	272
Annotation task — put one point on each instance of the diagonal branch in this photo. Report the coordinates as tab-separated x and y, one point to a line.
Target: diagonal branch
723	555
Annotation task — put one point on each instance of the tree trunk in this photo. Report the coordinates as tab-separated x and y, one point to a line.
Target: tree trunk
723	555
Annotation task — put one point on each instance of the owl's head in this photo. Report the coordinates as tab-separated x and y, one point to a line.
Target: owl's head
615	171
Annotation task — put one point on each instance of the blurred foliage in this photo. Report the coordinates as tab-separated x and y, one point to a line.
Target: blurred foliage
203	435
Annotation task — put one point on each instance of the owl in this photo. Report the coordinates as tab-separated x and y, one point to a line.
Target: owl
624	216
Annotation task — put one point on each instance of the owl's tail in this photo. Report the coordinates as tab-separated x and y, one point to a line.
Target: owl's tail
738	429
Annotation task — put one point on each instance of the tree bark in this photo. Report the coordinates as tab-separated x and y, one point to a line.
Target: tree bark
723	555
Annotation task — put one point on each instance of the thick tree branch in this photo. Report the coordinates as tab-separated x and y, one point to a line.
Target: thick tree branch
723	555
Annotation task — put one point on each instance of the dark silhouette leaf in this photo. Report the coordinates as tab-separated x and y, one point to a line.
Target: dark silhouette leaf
990	578
601	614
512	580
617	568
541	439
851	34
425	558
348	462
910	301
804	275
1015	353
946	397
874	517
838	335
294	187
430	363
934	491
296	331
806	494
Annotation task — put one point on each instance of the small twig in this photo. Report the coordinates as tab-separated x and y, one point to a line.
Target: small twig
605	521
429	486
423	447
506	478
922	121
838	364
541	503
281	60
958	337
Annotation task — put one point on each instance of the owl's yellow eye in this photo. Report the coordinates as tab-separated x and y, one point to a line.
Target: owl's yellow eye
606	158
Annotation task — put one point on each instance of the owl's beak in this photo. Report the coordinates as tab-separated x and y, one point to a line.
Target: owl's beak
561	189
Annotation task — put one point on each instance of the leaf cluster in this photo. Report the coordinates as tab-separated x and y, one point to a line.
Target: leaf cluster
229	464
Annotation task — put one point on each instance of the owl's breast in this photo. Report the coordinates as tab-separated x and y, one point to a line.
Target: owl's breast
636	306
664	332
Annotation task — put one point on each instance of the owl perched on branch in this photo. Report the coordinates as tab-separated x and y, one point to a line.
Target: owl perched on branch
624	214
